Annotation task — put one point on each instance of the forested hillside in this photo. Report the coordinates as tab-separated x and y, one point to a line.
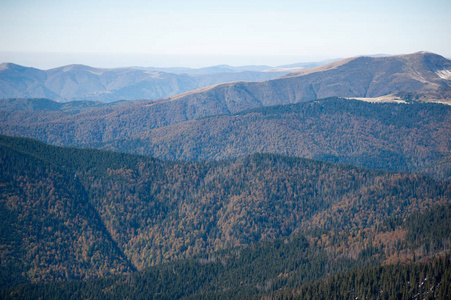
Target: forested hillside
146	211
49	229
400	137
403	137
48	106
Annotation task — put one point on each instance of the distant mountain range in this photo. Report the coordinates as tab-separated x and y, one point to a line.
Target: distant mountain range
227	68
353	77
208	70
79	82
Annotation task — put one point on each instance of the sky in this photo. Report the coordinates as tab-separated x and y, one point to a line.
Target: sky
199	33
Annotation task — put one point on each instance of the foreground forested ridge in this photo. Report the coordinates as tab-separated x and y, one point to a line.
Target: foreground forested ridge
146	211
286	268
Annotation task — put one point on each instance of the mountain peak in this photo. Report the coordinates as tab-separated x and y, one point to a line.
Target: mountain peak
423	53
10	66
420	54
326	67
419	60
75	67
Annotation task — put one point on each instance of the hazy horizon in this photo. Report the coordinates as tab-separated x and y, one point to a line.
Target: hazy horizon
199	33
50	60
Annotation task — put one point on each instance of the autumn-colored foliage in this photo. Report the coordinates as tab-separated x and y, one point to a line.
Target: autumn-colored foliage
113	212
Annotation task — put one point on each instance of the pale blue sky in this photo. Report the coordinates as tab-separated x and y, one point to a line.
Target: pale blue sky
197	33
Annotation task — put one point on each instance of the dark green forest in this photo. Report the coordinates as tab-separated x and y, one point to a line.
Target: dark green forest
431	280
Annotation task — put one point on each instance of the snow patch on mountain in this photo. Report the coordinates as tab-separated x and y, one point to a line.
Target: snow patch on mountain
444	74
